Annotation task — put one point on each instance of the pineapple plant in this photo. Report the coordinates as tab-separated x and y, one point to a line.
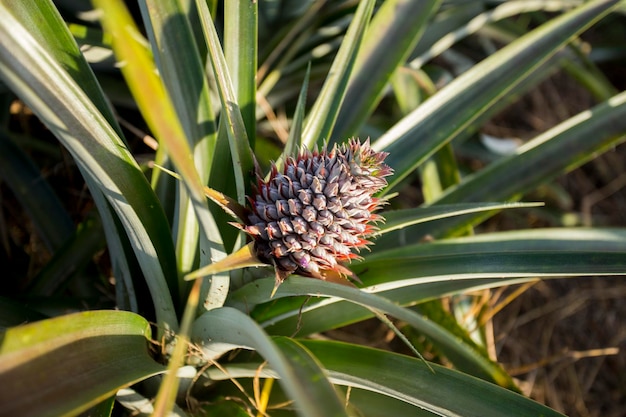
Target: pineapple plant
324	211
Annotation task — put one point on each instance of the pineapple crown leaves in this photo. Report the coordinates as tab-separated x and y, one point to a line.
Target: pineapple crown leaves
313	215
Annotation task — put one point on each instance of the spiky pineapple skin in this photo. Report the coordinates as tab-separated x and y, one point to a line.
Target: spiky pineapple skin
318	210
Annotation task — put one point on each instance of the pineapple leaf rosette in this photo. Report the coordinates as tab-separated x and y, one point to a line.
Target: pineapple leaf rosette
312	216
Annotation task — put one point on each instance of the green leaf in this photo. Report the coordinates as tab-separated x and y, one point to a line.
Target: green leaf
30	68
240	49
464	356
395	30
380	405
232	123
183	75
44	23
444	391
65	365
559	150
400	219
121	252
308	368
416	273
241	153
158	110
321	119
536	252
223	329
451	110
288	315
441	170
149	92
428	388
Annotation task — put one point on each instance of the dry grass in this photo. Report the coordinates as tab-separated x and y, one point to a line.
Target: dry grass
564	341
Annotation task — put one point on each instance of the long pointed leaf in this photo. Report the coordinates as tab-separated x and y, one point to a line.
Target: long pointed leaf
182	71
443	391
223	329
417	273
444	115
399	275
392	35
557	151
149	91
41	19
431	389
314	318
63	366
241	153
45	85
400	219
321	120
467	357
240	49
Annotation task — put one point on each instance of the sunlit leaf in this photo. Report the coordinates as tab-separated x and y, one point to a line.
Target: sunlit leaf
438	120
30	67
63	366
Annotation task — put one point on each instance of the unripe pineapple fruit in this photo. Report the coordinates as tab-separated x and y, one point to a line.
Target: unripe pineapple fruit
312	215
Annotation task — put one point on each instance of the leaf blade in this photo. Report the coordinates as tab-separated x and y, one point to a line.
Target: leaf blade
438	120
223	329
321	119
43	83
113	354
395	30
